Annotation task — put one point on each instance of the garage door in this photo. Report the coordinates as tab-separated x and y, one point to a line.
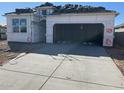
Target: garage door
78	33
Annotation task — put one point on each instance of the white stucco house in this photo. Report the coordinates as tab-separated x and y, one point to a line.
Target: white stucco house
46	24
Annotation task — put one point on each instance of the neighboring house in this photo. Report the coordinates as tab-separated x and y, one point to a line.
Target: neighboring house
119	28
119	34
3	31
58	24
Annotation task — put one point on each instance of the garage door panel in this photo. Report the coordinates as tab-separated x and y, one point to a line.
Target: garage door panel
78	33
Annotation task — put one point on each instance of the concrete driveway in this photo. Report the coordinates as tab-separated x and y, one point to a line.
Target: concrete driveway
62	66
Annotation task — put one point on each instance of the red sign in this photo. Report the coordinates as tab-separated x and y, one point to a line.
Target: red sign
109	30
108	41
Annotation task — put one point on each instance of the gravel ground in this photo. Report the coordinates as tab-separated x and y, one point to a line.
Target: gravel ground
9	51
5	53
117	54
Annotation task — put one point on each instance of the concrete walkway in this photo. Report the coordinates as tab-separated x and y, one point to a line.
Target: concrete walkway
62	66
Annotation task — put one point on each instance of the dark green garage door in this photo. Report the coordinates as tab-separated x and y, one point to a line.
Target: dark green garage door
78	33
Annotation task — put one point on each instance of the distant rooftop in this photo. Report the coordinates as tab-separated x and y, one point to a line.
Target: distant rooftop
3	27
119	26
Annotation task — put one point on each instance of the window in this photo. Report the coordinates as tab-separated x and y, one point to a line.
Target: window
15	28
23	24
19	25
15	23
44	12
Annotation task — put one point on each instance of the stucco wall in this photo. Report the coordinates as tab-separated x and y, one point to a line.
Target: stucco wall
32	34
48	11
36	31
106	19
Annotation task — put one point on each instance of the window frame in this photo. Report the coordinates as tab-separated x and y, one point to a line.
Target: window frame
19	25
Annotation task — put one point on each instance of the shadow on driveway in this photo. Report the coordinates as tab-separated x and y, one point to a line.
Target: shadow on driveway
55	49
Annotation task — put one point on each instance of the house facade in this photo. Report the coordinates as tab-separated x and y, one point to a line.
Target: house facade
46	24
3	31
119	35
119	28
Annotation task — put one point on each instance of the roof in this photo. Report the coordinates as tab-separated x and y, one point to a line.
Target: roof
45	7
80	9
21	11
73	8
120	26
65	9
47	4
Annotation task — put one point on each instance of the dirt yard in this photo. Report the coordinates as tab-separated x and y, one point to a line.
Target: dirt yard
117	54
9	51
5	53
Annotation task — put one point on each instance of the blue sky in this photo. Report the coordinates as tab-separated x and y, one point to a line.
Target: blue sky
10	7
